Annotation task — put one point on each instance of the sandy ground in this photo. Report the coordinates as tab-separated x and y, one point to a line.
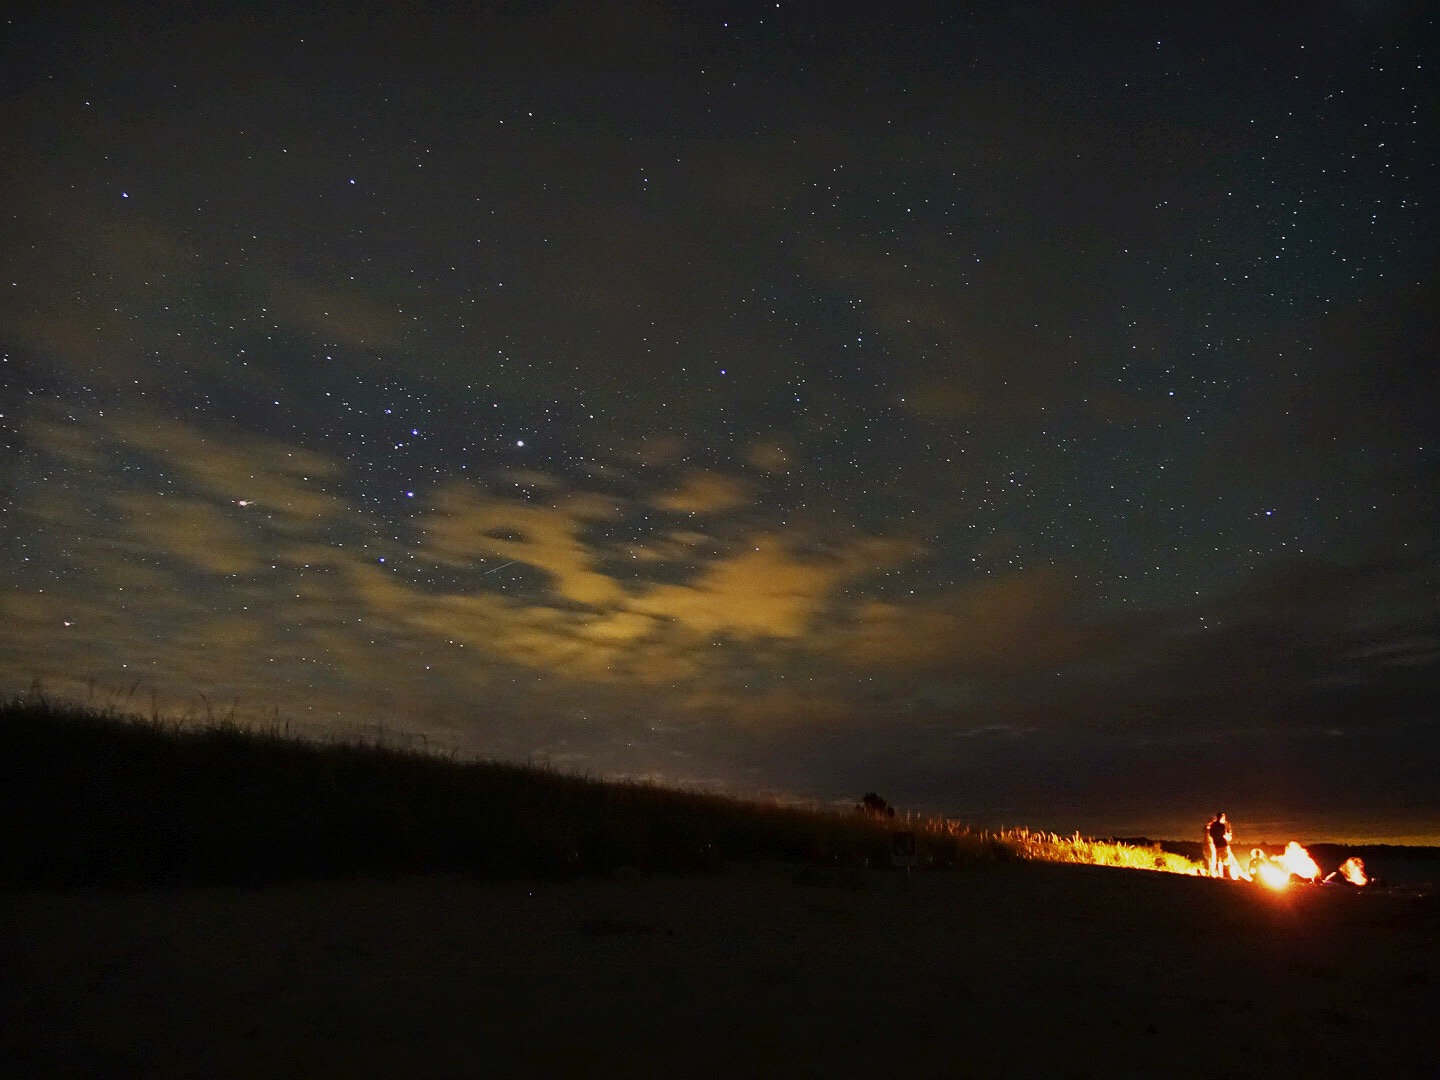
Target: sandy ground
1009	971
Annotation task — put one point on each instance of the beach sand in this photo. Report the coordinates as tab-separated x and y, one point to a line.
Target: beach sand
1004	970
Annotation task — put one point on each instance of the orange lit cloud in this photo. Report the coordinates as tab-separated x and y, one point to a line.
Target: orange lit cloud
658	449
316	588
203	535
704	492
763	590
66	443
286	483
1008	624
768	457
467	528
676	546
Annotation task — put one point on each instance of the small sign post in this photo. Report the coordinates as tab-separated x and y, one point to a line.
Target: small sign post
902	851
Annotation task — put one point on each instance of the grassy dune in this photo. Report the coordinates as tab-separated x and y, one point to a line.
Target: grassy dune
94	796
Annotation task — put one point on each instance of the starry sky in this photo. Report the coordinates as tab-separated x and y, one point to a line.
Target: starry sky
1020	410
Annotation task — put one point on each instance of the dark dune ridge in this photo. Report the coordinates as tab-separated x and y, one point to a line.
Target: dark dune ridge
223	902
94	798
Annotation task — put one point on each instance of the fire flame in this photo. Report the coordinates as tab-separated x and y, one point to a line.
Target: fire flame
1297	861
1353	871
1271	873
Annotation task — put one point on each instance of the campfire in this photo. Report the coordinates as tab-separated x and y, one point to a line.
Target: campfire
1278	871
1352	870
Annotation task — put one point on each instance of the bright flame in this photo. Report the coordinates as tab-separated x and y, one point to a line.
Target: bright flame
1297	860
1353	871
1273	874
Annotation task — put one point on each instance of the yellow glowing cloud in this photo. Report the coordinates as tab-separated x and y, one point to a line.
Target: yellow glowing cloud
706	492
202	535
768	457
233	635
1002	625
284	482
68	443
765	591
658	449
618	628
466	528
603	647
761	591
674	546
329	602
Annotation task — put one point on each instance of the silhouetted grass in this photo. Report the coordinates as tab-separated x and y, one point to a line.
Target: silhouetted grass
93	796
97	797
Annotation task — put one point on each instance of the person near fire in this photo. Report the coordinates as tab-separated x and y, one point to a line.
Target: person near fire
1217	844
1258	863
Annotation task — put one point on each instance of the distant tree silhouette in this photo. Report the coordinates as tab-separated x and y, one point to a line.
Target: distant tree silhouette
875	806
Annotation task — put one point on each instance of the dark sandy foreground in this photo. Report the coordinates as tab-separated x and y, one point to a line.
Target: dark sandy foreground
1010	970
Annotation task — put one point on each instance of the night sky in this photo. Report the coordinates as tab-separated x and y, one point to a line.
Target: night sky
1021	410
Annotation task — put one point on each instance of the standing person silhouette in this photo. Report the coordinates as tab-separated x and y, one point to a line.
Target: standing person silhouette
1217	844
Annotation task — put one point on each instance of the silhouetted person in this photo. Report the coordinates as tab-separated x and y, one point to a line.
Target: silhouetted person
1260	863
1217	844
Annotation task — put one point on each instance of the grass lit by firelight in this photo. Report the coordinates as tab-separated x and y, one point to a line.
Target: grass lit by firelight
1050	847
95	795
